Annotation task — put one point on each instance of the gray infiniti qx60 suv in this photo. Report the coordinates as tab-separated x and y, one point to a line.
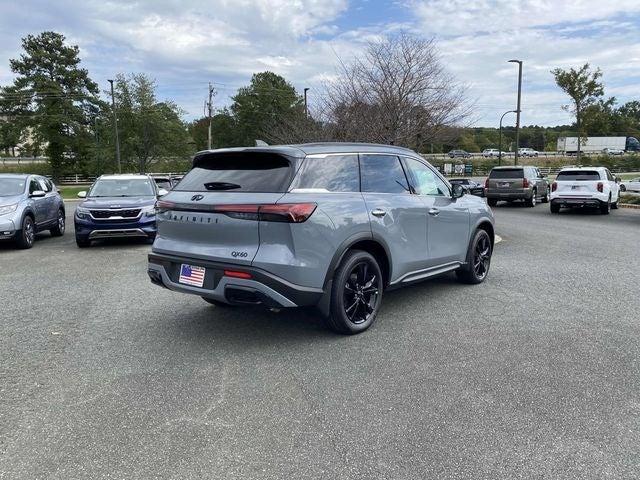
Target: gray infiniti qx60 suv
331	225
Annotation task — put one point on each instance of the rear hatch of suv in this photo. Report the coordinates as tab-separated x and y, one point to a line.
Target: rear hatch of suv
213	214
506	180
577	183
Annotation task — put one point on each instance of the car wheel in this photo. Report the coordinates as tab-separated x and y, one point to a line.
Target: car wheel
545	199
492	202
614	205
58	230
605	207
478	259
555	208
356	293
623	188
531	202
27	235
217	303
83	242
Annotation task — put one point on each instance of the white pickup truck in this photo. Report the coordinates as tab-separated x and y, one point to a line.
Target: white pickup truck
585	187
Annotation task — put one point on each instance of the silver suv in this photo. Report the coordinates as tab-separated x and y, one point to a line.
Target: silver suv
29	204
330	225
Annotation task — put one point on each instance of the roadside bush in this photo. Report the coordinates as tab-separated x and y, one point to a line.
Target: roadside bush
630	199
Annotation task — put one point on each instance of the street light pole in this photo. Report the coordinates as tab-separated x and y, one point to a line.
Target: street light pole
519	62
500	137
306	108
115	126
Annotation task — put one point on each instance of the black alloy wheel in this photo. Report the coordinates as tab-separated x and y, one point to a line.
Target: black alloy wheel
361	293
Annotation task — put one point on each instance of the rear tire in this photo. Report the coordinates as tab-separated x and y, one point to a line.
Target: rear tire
478	259
58	230
614	205
27	234
545	199
356	293
492	202
531	202
605	207
555	208
83	242
623	188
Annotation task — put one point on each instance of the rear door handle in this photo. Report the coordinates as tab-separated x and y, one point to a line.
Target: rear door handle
378	212
434	212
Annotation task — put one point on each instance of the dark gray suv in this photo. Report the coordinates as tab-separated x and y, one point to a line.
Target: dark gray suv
326	225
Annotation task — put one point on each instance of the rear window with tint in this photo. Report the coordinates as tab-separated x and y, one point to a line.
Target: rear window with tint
238	172
507	173
334	173
578	175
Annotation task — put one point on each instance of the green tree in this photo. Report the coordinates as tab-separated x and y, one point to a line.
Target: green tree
149	129
583	87
54	97
262	106
224	131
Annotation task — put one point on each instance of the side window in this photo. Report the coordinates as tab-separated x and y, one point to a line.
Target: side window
44	183
34	186
609	176
424	180
334	173
382	174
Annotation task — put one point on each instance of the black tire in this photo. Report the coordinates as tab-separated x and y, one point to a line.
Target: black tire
614	205
217	303
623	188
555	208
531	202
478	259
545	199
492	202
27	234
605	207
58	230
83	242
356	293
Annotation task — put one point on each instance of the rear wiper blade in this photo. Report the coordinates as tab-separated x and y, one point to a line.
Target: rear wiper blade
221	186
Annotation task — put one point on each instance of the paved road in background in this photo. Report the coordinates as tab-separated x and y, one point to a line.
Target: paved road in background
535	373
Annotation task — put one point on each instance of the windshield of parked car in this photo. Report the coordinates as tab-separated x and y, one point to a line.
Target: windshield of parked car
12	186
577	176
461	181
120	187
507	173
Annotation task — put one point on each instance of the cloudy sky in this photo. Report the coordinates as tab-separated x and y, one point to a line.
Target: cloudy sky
184	44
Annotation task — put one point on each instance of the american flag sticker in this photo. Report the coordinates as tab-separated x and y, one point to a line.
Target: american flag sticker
192	275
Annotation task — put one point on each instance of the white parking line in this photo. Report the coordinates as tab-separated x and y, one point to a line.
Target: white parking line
498	239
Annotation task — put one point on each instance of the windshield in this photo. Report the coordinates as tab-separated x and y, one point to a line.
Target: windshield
578	176
120	187
12	186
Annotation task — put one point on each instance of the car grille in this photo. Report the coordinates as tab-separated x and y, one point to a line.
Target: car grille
106	214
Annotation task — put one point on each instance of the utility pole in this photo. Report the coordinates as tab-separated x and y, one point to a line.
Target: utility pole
209	108
115	126
306	108
519	62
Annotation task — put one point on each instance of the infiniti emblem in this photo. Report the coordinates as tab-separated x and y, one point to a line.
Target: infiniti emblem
196	198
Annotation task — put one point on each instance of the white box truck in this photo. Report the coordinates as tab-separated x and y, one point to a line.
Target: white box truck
569	145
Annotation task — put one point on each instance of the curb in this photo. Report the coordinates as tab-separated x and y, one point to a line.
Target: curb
629	205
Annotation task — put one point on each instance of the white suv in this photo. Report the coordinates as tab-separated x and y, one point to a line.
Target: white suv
491	152
527	152
583	187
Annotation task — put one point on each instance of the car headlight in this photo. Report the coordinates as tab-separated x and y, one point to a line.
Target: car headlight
5	209
82	212
149	211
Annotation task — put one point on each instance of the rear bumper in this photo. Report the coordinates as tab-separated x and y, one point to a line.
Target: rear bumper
577	201
497	194
262	288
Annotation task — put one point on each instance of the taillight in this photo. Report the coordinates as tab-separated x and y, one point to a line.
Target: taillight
486	183
554	186
600	187
237	274
281	212
525	183
163	205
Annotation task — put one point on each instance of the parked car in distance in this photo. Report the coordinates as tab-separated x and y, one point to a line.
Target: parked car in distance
163	182
527	152
117	206
470	186
632	185
331	225
459	154
612	151
516	183
585	187
492	153
29	204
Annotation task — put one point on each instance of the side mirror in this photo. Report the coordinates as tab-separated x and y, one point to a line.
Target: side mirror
82	194
37	193
457	190
162	191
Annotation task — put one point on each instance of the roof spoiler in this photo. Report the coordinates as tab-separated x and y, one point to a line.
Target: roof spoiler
261	143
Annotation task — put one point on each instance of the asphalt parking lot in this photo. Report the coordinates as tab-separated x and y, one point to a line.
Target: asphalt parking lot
533	374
